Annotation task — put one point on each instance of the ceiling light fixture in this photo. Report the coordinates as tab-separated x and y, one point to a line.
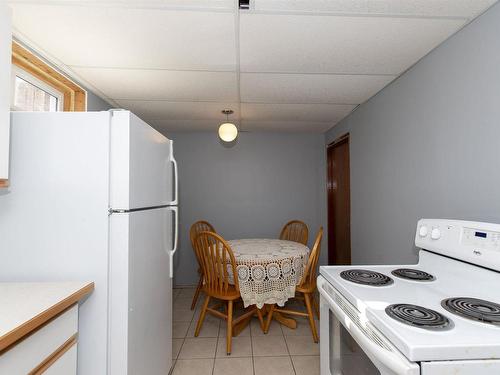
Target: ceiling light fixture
228	131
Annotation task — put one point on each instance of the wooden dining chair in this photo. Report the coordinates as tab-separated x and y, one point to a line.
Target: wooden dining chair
305	290
218	263
197	228
296	231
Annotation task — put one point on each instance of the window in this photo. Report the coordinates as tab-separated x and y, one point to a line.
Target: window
37	86
32	94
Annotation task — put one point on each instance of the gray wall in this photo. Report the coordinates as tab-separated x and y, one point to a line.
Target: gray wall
428	145
249	190
95	103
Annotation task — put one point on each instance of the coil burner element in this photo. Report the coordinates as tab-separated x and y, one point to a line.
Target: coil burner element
418	316
474	309
413	274
366	277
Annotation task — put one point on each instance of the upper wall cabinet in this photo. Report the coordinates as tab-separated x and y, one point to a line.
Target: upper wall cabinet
5	78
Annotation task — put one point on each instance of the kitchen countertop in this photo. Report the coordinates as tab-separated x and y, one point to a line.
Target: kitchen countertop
26	306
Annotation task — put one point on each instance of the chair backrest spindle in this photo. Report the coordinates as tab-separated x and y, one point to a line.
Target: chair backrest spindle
309	277
296	231
217	259
197	228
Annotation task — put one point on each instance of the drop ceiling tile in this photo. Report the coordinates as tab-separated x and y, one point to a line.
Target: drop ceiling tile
190	4
175	4
163	110
162	84
310	88
294	112
130	37
331	44
286	126
166	126
442	8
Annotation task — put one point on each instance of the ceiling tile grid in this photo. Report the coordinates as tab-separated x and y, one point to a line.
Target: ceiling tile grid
160	84
296	66
342	45
310	88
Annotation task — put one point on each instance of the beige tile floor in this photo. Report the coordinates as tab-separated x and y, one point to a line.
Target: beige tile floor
282	351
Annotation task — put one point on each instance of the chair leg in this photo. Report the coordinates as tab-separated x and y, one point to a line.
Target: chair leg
269	318
197	293
307	298
229	336
316	305
261	319
202	316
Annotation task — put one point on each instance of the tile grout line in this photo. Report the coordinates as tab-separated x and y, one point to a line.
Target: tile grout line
251	347
289	355
216	348
287	349
183	339
185	335
253	357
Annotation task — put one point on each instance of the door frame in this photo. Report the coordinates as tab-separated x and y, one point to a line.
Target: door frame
344	138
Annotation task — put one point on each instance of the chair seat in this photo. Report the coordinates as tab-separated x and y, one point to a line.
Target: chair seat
230	294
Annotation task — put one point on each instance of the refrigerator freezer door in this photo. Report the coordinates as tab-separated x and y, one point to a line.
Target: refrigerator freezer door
140	292
141	165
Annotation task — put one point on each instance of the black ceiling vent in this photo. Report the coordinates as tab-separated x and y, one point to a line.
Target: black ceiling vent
244	4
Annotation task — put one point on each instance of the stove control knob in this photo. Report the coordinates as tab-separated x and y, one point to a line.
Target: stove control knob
436	234
422	232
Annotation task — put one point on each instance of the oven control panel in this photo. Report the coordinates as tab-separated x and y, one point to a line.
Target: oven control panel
473	242
479	238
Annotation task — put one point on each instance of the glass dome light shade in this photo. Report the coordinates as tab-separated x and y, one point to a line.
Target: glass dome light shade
228	132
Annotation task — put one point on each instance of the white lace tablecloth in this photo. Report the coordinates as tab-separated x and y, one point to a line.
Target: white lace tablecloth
268	269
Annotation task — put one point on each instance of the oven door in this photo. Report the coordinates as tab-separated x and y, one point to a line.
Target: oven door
350	345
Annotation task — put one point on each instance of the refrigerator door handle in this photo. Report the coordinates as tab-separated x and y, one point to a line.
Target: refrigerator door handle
172	252
175	202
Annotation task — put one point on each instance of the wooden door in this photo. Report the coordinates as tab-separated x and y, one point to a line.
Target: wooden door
339	204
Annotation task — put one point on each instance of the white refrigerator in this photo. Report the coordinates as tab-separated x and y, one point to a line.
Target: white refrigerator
93	196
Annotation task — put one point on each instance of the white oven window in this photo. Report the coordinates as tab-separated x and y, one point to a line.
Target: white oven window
352	359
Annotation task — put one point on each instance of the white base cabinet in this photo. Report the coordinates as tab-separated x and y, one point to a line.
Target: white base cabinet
66	364
47	350
39	326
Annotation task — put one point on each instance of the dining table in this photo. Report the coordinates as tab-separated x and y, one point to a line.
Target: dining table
268	271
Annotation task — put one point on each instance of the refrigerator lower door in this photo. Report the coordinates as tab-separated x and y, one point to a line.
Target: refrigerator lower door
140	292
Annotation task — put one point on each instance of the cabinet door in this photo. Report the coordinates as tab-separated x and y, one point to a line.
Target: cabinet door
5	58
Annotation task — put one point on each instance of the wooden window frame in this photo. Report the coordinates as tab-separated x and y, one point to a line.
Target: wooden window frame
39	84
75	98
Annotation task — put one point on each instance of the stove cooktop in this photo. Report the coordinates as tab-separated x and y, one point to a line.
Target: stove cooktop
461	338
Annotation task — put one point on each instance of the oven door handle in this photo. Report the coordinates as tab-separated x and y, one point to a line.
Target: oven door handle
388	361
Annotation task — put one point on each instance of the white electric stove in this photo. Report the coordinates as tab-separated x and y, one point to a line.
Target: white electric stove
440	316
